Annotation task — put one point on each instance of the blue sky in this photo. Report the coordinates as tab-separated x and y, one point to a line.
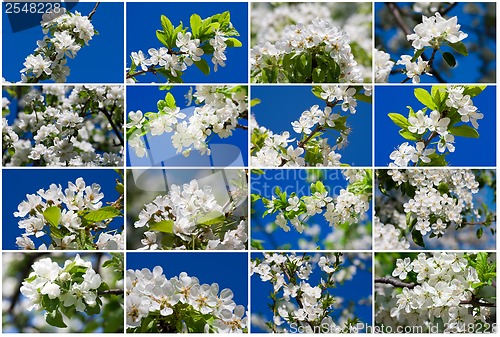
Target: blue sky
99	62
281	105
358	288
468	68
229	270
230	151
143	19
18	183
290	180
469	151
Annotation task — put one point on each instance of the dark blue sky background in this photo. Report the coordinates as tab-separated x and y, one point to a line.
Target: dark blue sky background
99	62
358	288
291	180
145	98
143	19
468	151
18	183
468	67
281	105
229	270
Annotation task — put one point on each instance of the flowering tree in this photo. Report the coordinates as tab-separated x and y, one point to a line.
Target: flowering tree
220	110
313	149
305	298
437	42
184	46
73	218
438	292
65	35
192	216
435	208
63	126
311	43
179	304
343	209
450	110
69	293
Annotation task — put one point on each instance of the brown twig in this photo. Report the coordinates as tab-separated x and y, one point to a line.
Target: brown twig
395	282
91	14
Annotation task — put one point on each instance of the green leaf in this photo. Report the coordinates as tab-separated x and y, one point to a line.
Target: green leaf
203	66
425	98
167	26
165	226
170	101
96	309
479	232
436	160
320	187
55	318
163	38
473	90
464	131
232	42
254	102
195	23
417	54
102	214
399	120
450	59
224	18
407	135
52	215
417	238
460	48
211	218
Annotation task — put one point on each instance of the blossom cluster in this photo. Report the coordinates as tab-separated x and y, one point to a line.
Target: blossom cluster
73	286
296	298
182	48
269	21
436	124
66	35
433	209
220	110
150	295
194	216
444	290
319	36
65	126
63	215
190	52
464	105
345	208
389	236
383	65
432	32
274	150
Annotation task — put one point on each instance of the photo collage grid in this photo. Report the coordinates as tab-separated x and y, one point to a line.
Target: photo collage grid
248	167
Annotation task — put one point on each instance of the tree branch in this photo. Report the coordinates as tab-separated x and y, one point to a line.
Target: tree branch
113	125
395	282
91	14
118	292
450	7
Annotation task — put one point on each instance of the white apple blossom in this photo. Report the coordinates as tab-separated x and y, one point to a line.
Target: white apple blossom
150	294
67	34
188	210
444	292
58	212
